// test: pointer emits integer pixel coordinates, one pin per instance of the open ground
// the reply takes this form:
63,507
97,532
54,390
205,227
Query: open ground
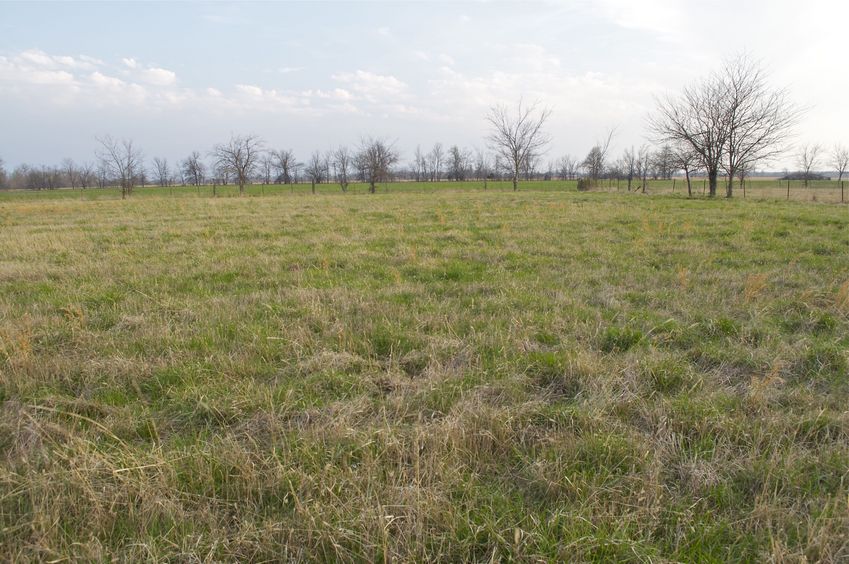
423,374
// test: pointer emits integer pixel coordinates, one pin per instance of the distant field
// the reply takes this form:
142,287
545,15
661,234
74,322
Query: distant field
423,374
828,191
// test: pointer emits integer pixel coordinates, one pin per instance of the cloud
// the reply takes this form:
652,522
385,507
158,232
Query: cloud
32,68
107,82
159,77
372,86
36,58
663,18
130,63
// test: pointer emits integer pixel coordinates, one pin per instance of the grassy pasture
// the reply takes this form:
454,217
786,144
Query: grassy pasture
826,191
454,375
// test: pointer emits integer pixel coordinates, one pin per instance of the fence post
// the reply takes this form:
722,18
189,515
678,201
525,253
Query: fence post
788,188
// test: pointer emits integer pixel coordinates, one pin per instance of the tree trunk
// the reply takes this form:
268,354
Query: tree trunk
712,174
689,188
371,188
313,186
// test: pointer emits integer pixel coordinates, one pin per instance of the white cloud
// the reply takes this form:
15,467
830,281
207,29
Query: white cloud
664,18
371,85
249,89
159,77
38,58
130,63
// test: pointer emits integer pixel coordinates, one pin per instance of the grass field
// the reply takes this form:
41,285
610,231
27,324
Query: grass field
825,191
422,375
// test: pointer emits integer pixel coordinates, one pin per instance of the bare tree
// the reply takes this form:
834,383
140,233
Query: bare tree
595,160
808,159
644,161
193,169
71,174
315,169
86,174
518,136
286,164
102,173
327,165
567,167
160,169
266,165
630,166
758,118
375,159
458,163
341,166
664,162
840,161
482,167
239,157
731,119
688,160
435,157
123,160
419,165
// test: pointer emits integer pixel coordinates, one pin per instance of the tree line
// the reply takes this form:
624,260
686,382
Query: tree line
721,127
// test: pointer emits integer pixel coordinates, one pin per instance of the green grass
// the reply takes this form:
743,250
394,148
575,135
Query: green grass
423,374
759,188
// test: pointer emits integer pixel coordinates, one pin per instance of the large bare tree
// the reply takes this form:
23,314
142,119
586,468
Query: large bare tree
375,159
239,156
121,159
758,118
731,119
517,136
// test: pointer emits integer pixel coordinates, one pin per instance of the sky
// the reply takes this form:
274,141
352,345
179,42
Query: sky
179,77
